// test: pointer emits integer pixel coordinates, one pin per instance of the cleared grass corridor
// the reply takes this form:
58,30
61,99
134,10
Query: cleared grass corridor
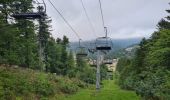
110,91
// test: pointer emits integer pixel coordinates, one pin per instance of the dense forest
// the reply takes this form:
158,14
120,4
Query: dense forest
148,73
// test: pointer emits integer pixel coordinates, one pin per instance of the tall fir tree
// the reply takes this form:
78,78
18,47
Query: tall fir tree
165,23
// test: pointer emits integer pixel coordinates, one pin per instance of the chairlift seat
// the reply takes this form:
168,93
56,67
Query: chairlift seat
28,15
109,71
109,61
103,48
81,52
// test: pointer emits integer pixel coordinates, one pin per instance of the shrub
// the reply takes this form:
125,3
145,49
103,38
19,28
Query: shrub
31,85
79,83
42,86
68,86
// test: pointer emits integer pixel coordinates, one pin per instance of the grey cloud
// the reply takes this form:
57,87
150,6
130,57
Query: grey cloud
124,18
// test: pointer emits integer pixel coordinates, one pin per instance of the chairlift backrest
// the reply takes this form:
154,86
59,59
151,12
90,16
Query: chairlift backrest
108,61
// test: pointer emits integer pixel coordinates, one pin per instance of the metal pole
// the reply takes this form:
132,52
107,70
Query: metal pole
105,31
79,42
98,71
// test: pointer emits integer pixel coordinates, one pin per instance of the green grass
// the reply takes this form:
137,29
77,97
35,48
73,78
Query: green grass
110,91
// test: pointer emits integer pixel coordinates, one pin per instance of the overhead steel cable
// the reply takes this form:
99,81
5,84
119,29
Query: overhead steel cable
64,19
101,11
88,18
37,1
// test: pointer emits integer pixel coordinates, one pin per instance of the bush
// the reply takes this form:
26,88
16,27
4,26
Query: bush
42,86
67,86
28,84
79,83
88,76
1,91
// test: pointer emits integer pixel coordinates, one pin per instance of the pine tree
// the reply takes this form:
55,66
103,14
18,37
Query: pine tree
27,37
71,67
54,53
165,23
64,56
8,44
9,35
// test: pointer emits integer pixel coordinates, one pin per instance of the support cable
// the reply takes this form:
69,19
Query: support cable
88,18
37,1
64,19
101,11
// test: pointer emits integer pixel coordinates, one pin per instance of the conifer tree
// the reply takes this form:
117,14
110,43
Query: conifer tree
165,23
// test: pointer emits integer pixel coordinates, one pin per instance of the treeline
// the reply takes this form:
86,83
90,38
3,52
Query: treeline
19,44
148,73
19,40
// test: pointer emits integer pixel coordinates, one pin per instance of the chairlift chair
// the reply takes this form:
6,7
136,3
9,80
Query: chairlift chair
103,43
81,52
108,61
30,15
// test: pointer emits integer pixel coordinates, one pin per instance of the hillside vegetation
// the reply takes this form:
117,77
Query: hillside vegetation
36,66
29,44
148,73
27,84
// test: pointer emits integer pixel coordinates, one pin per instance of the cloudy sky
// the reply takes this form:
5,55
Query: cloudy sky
124,18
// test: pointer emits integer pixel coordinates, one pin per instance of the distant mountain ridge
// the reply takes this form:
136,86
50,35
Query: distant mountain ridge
118,44
123,43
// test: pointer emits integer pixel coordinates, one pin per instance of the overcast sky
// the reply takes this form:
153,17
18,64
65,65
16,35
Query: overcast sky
124,18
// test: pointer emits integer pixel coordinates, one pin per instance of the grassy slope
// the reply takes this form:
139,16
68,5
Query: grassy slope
24,84
110,91
27,84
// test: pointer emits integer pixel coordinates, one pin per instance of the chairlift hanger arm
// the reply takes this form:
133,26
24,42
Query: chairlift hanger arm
79,42
43,2
105,28
45,6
